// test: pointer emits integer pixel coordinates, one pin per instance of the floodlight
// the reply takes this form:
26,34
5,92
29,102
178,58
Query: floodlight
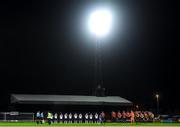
157,96
100,22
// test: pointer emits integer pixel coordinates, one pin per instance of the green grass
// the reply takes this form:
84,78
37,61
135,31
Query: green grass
31,124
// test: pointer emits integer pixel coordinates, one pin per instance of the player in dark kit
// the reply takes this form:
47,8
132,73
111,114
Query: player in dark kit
124,116
132,116
119,116
142,116
113,115
102,118
42,117
137,116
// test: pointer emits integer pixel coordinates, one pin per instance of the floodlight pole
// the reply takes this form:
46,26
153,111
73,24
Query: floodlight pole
157,100
99,90
98,63
99,24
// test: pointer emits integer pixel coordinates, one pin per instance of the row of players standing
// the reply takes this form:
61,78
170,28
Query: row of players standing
80,118
71,117
138,116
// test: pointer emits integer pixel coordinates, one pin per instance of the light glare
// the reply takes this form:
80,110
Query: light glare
100,22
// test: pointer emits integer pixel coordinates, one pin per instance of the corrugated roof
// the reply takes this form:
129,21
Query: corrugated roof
68,99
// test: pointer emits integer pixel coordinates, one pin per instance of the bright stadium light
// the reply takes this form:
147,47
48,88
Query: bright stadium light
157,99
100,22
157,96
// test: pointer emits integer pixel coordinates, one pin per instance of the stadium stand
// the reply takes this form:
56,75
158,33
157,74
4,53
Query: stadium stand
68,99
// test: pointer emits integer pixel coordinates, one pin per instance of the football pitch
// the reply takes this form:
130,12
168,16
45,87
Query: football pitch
10,124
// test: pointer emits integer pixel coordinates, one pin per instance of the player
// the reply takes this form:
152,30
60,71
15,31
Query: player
90,118
42,117
75,117
124,116
113,116
146,118
137,116
49,118
86,117
61,118
96,116
132,116
128,116
151,116
80,118
102,118
38,117
119,116
65,118
142,116
55,118
70,118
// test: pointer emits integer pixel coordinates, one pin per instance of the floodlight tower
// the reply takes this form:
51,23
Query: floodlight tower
157,102
99,24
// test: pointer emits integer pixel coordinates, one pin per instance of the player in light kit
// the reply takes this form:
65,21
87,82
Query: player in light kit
86,118
61,118
49,118
96,116
65,117
151,116
80,118
38,117
75,117
55,117
146,117
70,118
90,118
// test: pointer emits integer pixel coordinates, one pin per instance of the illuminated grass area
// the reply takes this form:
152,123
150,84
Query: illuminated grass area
89,124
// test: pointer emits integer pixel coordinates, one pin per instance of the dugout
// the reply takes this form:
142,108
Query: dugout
68,103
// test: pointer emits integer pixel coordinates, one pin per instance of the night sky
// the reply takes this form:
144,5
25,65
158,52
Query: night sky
46,48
